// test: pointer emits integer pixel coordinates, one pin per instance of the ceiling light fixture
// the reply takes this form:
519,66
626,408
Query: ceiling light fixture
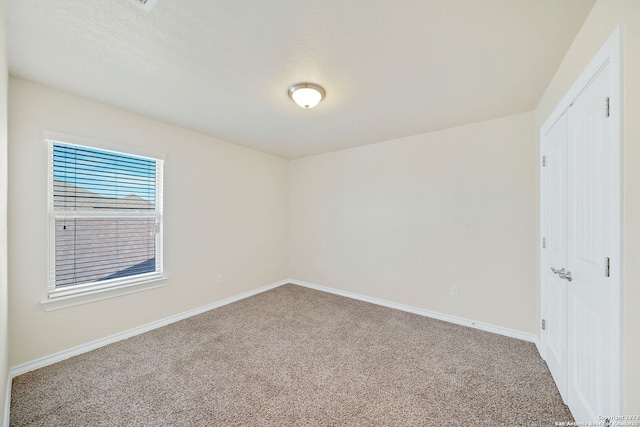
306,95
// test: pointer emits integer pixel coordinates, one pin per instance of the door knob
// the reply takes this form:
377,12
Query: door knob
564,274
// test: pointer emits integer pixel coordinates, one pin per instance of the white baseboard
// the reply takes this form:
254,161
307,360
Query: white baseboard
66,354
539,347
7,402
533,338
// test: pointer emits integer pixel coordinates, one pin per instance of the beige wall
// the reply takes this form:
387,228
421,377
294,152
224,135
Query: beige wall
225,212
4,346
401,220
406,219
604,17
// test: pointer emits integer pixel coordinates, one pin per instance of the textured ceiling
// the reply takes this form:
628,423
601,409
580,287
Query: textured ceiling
391,68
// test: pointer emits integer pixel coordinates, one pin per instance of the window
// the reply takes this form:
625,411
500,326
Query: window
105,213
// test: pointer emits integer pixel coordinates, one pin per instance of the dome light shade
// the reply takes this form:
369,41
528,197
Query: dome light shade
306,95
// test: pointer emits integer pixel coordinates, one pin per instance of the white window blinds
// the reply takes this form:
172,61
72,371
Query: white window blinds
105,219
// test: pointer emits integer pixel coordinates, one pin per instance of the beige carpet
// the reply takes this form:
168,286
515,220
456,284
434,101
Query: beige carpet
297,357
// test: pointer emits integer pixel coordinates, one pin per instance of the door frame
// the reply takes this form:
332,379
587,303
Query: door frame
610,53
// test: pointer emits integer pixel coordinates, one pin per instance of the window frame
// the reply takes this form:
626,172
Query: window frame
78,294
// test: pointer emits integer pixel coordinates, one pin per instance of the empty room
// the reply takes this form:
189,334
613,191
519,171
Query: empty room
319,212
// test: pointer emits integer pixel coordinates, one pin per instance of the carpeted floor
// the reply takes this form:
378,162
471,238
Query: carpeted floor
293,356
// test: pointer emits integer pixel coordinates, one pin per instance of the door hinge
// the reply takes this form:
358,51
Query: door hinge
544,243
544,324
544,161
606,107
607,267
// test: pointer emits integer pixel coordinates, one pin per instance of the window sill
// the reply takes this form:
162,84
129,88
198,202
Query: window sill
52,304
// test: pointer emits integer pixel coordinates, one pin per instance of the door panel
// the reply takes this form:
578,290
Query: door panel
585,372
584,355
554,189
590,307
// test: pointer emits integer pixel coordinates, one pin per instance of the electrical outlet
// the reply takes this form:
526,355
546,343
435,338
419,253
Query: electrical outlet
454,291
320,267
219,279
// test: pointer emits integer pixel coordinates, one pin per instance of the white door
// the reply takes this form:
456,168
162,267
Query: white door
554,182
580,205
591,308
